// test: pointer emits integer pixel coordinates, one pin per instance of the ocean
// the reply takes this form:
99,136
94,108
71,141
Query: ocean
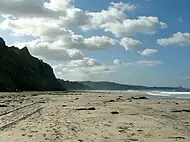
177,95
152,94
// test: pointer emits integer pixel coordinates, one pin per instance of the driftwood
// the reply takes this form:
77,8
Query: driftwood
114,112
3,105
178,138
183,110
91,108
139,98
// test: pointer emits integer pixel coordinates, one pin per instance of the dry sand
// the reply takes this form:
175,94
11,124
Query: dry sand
91,117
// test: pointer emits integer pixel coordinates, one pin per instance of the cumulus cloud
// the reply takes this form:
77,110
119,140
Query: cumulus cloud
115,12
73,18
83,69
149,62
85,62
59,37
129,43
129,27
25,8
81,43
45,50
148,52
180,39
116,62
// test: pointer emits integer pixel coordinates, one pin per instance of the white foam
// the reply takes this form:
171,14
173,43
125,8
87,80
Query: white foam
158,94
177,93
184,95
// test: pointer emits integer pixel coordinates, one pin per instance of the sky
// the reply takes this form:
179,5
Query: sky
139,42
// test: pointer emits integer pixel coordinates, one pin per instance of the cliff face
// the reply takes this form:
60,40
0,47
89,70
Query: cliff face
21,71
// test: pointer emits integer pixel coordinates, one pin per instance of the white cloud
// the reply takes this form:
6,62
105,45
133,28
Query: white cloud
116,62
128,27
85,62
58,37
74,17
149,63
64,14
45,50
122,6
81,43
96,42
129,43
31,27
92,62
114,13
83,69
25,8
58,5
180,20
148,52
180,39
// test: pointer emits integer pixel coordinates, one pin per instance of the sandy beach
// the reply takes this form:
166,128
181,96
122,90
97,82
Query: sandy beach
92,117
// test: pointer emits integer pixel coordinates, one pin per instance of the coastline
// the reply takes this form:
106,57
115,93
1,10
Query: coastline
98,117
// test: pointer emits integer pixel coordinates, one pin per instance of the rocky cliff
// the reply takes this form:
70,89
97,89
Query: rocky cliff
19,70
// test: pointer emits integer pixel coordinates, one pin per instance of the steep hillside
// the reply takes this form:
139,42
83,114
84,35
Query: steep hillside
19,70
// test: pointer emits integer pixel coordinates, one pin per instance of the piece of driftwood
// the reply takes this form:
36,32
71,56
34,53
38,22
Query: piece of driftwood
114,112
183,110
91,108
139,98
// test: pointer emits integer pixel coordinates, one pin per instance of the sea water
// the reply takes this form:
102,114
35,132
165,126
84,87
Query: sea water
151,94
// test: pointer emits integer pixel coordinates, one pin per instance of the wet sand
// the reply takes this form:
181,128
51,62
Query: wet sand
92,117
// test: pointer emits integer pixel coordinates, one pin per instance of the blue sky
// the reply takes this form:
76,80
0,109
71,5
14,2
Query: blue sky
167,66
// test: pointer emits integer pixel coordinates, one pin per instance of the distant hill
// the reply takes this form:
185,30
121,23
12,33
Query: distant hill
69,85
116,86
19,70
